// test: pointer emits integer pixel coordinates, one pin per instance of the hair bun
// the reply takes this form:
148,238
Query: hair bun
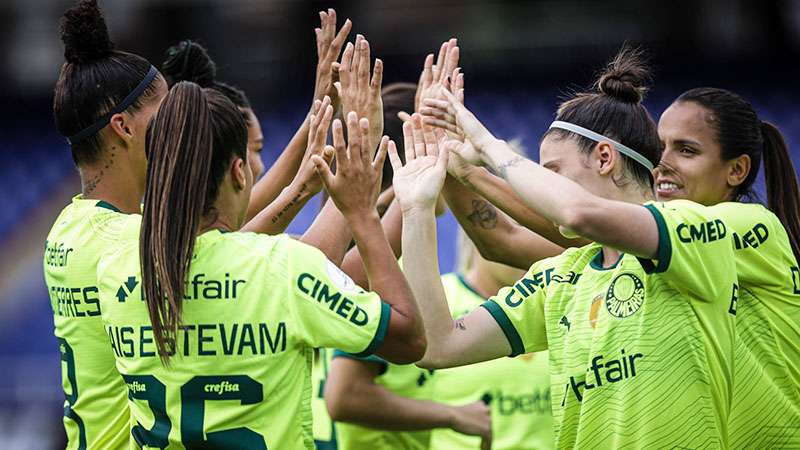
189,61
84,33
627,77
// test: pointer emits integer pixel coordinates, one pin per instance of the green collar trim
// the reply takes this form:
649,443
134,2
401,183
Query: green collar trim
597,262
469,287
106,205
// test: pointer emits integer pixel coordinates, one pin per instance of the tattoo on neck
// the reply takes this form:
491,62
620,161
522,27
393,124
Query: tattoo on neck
90,185
502,169
459,324
483,214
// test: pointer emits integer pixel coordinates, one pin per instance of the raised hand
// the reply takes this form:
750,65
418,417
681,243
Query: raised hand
434,78
355,187
329,45
360,93
418,183
451,114
319,122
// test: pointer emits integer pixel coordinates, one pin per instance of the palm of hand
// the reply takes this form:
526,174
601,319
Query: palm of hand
419,182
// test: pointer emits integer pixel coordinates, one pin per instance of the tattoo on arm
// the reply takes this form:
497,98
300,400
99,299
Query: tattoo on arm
290,205
502,169
459,324
483,214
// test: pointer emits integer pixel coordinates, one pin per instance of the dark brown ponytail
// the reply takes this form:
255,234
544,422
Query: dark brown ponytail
783,195
191,141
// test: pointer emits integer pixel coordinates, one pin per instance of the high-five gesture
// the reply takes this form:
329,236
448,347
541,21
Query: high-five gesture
360,93
329,45
418,183
319,122
354,188
434,78
451,114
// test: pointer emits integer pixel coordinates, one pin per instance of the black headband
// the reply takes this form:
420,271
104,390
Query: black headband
122,106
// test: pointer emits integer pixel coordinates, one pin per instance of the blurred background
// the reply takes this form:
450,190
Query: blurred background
520,59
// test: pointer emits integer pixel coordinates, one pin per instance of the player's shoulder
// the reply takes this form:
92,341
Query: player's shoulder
255,244
746,215
119,257
682,207
574,258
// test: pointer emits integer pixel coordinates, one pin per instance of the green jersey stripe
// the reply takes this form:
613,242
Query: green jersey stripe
664,253
508,328
380,334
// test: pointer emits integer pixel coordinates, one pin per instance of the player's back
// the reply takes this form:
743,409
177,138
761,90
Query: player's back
240,376
95,410
766,398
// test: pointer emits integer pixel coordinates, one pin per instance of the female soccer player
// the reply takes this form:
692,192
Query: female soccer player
638,318
714,143
380,405
235,316
520,411
103,101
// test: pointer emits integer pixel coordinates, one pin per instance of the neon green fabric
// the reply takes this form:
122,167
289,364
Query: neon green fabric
518,389
254,309
766,397
324,428
641,353
405,380
95,411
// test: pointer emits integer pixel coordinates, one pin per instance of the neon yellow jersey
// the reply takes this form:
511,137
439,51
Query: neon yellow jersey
324,428
254,309
766,397
95,411
405,380
641,353
517,389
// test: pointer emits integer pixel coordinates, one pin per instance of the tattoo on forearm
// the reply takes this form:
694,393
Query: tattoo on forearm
502,169
290,205
483,214
459,324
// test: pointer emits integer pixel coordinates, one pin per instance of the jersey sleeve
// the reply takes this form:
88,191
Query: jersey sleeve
519,309
330,310
764,256
695,250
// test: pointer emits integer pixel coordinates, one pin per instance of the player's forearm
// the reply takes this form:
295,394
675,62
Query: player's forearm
374,406
329,232
392,224
498,191
625,226
490,230
421,266
383,272
281,173
279,214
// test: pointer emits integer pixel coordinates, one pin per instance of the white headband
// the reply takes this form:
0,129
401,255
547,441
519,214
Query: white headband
624,149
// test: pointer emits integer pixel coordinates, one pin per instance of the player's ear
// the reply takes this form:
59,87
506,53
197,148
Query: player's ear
240,173
605,157
120,125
